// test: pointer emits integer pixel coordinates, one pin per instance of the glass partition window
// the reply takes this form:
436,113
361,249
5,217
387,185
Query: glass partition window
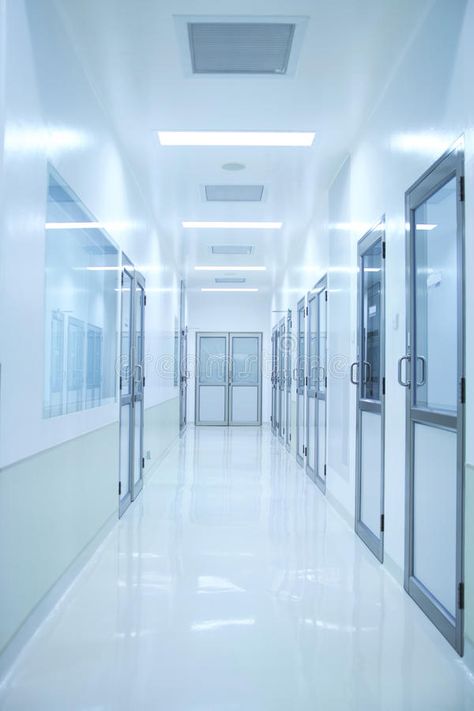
81,292
370,341
313,344
436,300
301,353
245,360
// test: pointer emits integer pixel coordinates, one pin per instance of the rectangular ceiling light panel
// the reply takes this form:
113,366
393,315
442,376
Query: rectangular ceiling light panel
224,288
231,249
230,280
266,139
233,193
231,268
240,225
240,47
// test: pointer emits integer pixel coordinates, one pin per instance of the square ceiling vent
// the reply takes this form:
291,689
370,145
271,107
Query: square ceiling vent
240,47
230,280
233,193
231,249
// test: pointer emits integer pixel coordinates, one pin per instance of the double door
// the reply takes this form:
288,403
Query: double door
228,379
317,384
432,371
368,375
275,386
299,372
132,383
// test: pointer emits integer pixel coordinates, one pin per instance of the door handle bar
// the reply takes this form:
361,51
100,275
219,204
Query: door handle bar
404,383
352,376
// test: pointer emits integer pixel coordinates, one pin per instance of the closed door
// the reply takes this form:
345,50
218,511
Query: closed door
245,379
183,378
300,382
274,380
321,384
312,378
288,379
132,382
228,380
368,374
433,373
282,380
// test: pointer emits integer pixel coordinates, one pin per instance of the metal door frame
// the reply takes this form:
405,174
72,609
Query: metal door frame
183,373
227,384
132,398
300,381
311,393
374,543
450,165
321,395
289,347
273,421
245,334
281,379
138,393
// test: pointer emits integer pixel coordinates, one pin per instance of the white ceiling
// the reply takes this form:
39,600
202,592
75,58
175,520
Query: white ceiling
133,55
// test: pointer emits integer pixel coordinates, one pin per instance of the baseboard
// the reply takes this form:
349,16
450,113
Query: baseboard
150,472
468,657
394,569
340,509
46,605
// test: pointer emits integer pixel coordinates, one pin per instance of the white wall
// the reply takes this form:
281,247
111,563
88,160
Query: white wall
52,115
207,311
427,104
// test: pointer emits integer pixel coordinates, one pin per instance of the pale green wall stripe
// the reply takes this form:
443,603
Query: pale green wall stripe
51,506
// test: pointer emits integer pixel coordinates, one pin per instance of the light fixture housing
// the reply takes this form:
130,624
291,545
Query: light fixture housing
227,289
232,268
266,139
230,225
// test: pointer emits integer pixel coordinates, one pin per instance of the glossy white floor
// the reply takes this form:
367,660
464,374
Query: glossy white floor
232,584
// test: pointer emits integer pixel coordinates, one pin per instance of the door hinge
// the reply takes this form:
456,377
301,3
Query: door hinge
120,383
120,488
306,311
122,279
325,381
306,380
383,386
325,296
289,436
143,381
143,462
325,469
384,250
461,188
462,391
461,596
305,449
382,523
144,299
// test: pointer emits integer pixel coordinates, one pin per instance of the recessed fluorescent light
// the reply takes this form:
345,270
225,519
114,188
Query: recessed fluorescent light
75,226
203,225
426,228
215,288
229,269
237,138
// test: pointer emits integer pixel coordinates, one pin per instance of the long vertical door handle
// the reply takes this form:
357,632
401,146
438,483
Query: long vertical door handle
404,383
354,365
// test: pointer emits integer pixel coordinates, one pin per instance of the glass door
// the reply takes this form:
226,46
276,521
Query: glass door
368,374
432,371
274,381
183,373
277,383
311,389
138,384
288,359
321,382
212,378
131,385
281,380
126,386
300,383
245,379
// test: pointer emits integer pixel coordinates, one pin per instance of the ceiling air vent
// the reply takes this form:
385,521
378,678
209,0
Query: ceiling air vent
240,47
234,193
231,249
230,280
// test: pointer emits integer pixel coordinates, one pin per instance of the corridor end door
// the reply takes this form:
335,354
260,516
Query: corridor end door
281,354
433,373
368,374
300,382
316,384
288,379
273,418
228,379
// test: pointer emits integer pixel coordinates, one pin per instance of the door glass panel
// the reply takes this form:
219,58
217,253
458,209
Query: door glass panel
245,358
300,422
322,342
371,464
301,353
125,449
321,437
313,368
436,301
212,403
126,334
212,359
138,443
371,319
434,514
312,405
139,305
244,404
